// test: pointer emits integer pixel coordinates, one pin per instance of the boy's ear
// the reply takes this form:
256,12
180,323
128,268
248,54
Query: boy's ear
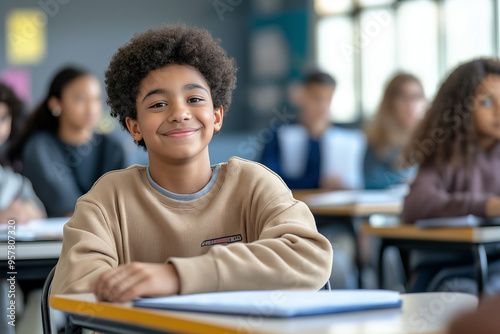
218,117
133,128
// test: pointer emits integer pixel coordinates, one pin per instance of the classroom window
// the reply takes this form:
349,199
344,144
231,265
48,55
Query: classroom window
469,30
327,7
374,2
418,42
427,38
339,61
378,55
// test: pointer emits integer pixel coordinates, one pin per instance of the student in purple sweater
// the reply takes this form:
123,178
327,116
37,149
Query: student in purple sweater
457,149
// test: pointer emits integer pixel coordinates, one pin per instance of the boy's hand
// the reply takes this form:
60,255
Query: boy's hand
137,279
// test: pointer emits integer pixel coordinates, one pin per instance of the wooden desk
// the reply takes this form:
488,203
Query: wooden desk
410,237
352,210
421,313
31,250
455,234
35,247
350,215
33,259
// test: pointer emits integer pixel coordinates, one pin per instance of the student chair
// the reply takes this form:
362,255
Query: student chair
47,329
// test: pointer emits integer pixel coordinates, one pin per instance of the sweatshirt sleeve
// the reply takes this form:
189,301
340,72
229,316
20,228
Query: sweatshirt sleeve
289,254
88,250
429,198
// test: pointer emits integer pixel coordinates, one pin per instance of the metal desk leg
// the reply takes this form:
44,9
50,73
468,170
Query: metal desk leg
383,246
481,263
355,226
70,328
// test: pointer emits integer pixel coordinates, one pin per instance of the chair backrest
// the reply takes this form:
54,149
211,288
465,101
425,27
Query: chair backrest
45,302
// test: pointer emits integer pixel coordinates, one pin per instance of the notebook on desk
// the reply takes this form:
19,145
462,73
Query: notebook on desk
365,197
463,221
277,304
36,229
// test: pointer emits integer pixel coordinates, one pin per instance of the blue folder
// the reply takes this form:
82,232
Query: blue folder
277,304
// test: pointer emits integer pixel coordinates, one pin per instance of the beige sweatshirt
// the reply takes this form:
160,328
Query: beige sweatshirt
246,233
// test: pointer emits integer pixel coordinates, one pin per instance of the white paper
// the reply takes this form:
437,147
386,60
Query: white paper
36,229
344,197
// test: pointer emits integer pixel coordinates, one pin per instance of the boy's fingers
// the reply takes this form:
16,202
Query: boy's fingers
138,289
115,281
129,281
155,279
130,287
101,286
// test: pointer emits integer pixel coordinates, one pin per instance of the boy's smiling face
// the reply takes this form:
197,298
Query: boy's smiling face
175,114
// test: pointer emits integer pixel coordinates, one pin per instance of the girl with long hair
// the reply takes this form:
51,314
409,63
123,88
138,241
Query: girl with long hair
457,149
401,108
61,153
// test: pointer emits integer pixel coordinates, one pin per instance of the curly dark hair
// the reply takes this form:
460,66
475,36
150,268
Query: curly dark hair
159,47
447,134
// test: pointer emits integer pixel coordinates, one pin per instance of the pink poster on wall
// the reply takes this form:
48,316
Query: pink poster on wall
20,81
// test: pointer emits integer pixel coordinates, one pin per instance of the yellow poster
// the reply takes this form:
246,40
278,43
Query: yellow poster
25,36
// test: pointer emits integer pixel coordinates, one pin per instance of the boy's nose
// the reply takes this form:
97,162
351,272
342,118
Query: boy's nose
179,113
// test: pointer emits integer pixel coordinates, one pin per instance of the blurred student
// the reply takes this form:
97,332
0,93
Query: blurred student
314,153
457,146
402,106
18,201
61,153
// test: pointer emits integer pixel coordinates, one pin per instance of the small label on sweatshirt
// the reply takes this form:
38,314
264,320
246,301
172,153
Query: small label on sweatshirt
223,240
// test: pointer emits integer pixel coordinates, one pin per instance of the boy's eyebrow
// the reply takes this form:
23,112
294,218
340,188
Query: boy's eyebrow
194,86
153,92
163,91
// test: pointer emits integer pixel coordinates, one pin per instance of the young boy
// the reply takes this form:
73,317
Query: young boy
181,226
312,153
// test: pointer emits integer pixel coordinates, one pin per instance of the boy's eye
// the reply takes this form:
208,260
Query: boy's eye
159,105
485,102
194,100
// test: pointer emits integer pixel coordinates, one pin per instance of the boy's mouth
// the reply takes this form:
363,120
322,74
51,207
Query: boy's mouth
180,132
